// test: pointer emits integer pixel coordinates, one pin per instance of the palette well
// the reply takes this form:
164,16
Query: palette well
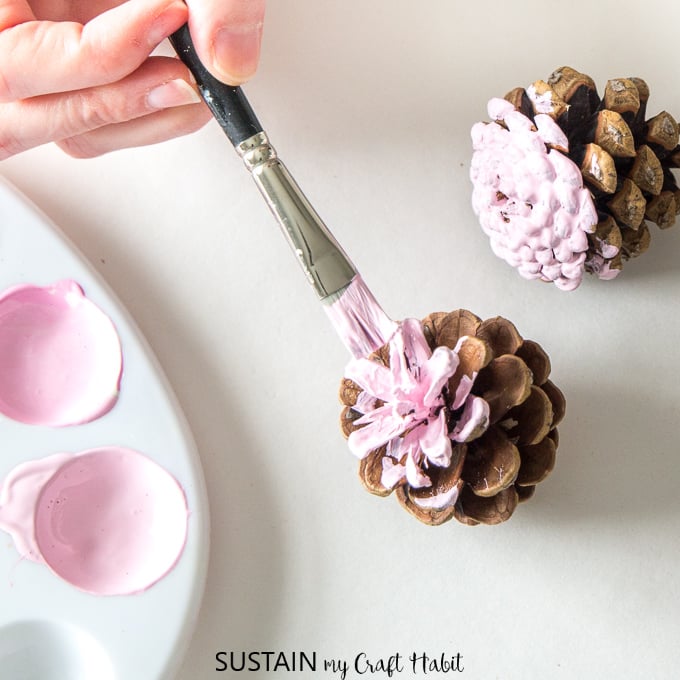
60,357
133,436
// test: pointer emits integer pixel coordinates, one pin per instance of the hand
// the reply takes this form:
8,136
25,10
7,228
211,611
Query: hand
80,73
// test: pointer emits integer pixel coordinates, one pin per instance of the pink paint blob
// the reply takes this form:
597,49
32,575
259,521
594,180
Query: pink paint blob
60,356
109,521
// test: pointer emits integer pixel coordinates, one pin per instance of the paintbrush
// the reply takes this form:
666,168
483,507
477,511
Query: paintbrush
410,418
353,310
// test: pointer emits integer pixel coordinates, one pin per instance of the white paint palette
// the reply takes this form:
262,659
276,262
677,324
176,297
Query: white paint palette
50,630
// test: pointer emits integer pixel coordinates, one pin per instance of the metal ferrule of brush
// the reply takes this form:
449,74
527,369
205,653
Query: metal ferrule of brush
325,264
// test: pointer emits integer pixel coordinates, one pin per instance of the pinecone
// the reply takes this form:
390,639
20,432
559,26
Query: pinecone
624,159
492,467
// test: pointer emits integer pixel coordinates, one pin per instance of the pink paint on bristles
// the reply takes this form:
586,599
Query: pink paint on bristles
359,320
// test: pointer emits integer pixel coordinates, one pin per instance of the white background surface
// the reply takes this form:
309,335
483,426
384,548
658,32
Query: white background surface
370,105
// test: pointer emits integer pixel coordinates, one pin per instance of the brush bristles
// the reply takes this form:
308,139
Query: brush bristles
359,320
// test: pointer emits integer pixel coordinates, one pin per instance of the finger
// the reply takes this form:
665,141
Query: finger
80,11
48,57
13,12
151,129
227,35
159,83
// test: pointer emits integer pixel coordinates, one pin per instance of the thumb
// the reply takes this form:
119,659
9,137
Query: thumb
227,35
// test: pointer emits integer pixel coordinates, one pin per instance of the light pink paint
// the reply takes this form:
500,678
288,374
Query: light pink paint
109,521
60,356
530,196
359,320
403,408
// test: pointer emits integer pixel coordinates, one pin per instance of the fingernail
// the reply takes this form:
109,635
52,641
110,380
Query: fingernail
173,93
236,51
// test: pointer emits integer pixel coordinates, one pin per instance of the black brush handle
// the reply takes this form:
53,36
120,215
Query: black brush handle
227,103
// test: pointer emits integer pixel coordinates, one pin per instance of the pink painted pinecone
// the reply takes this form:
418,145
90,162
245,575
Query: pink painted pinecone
492,470
530,197
564,181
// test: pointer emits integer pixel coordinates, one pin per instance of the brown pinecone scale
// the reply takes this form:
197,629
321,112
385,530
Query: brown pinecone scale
499,467
626,158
